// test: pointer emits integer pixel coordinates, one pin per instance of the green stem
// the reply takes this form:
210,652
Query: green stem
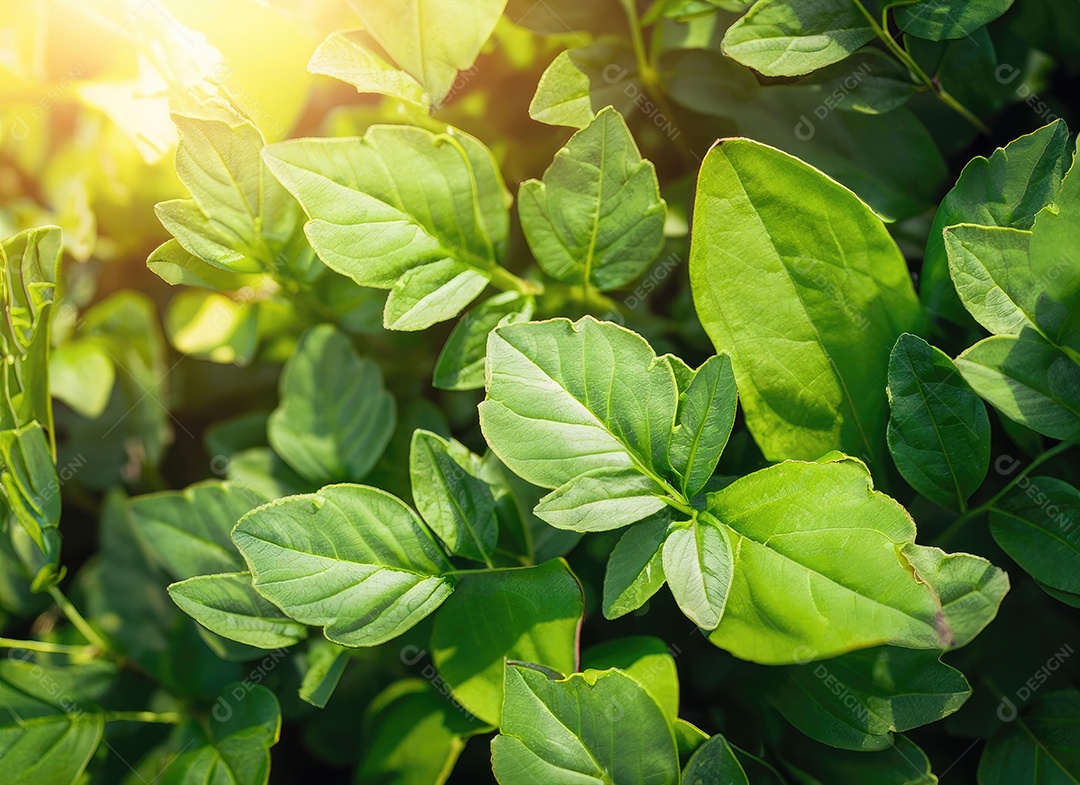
974,512
76,618
45,647
650,78
501,278
882,32
166,718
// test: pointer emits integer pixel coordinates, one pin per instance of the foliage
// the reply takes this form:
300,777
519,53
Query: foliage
369,407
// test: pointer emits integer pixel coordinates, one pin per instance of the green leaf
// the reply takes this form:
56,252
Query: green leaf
238,218
1006,190
335,417
901,764
792,600
706,415
1028,380
351,558
175,265
188,531
412,734
566,398
31,487
1036,524
212,326
582,81
600,500
939,21
939,432
870,81
234,746
429,39
29,269
424,215
1040,747
991,269
714,763
82,375
648,661
450,496
698,565
857,701
228,606
460,365
587,729
324,663
777,242
44,735
596,218
532,614
1055,262
635,570
968,588
352,56
785,38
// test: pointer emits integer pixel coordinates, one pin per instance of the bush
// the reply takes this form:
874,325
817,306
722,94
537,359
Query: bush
386,480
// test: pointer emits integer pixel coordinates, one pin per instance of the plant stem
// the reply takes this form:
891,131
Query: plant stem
650,78
45,647
501,278
882,32
76,618
974,512
167,718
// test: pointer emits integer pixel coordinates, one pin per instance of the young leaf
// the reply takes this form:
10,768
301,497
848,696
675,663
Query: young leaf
991,269
790,520
450,496
413,734
592,727
1040,746
777,242
532,613
582,81
29,267
788,38
429,39
324,662
706,415
188,531
238,217
939,432
600,500
424,215
234,746
698,565
714,763
353,57
1027,379
566,398
228,606
635,570
31,487
1006,190
596,218
351,558
939,21
857,701
43,736
1036,524
460,365
335,417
